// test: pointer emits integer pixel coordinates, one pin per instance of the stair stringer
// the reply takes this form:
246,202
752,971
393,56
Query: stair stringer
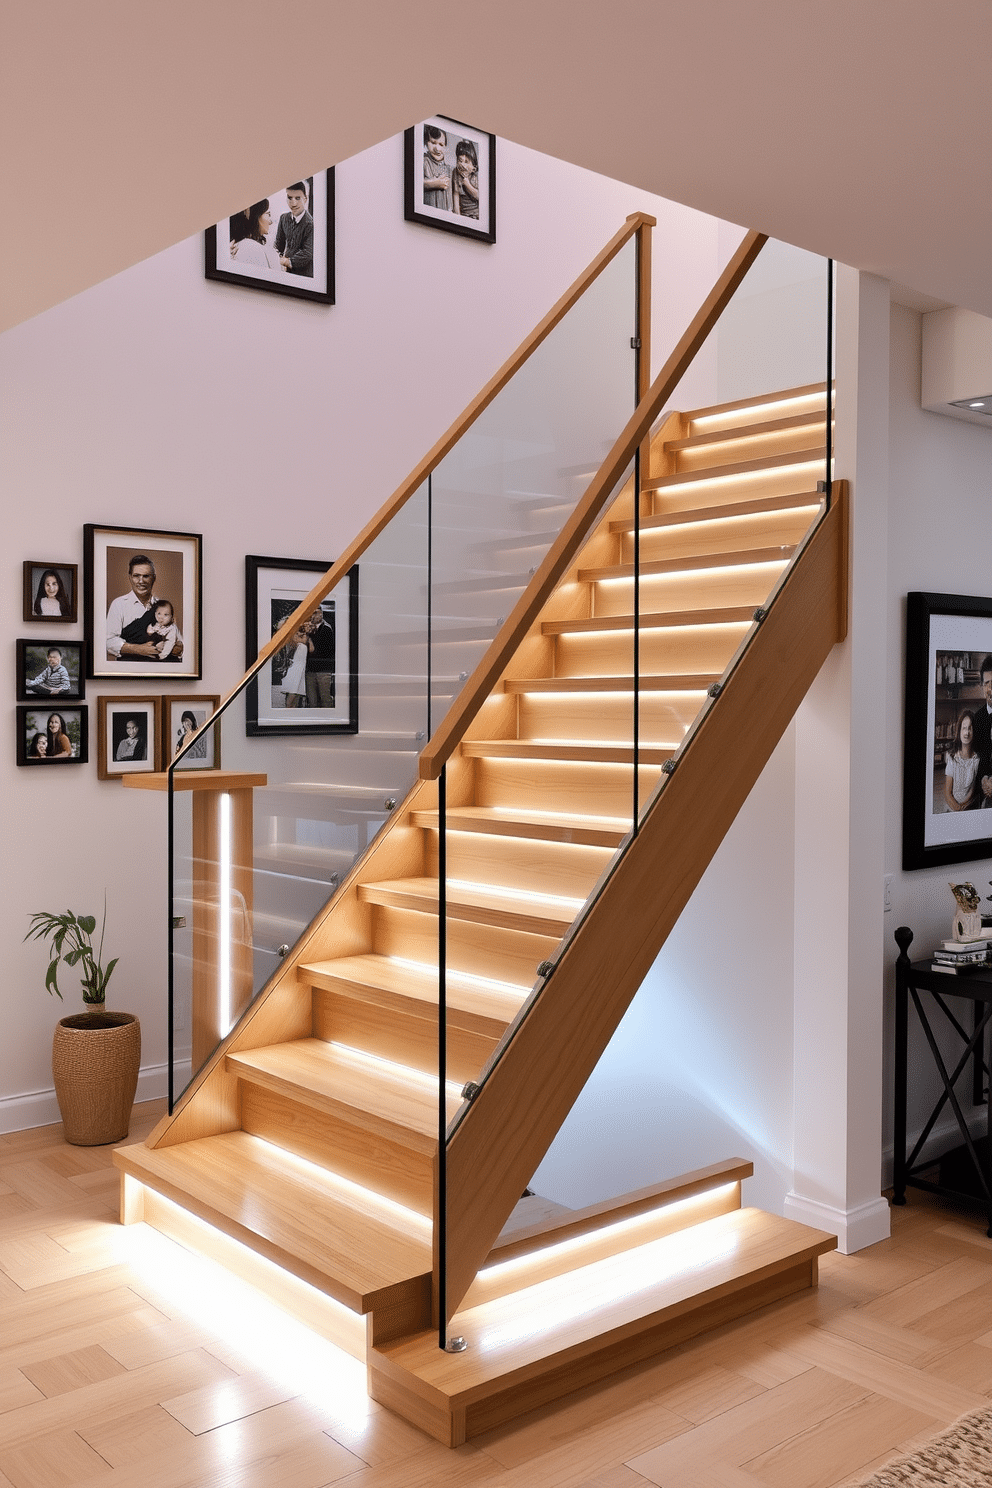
509,1126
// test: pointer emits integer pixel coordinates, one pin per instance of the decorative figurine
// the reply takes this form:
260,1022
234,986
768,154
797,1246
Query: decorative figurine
968,915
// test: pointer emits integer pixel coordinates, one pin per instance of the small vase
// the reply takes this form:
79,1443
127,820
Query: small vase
95,1060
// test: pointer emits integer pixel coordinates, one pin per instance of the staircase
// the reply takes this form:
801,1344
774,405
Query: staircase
311,1137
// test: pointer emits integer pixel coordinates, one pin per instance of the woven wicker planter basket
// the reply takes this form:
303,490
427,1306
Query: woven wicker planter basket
95,1059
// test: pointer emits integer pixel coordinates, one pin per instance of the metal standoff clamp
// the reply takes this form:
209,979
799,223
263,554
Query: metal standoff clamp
759,615
668,767
456,1345
715,690
283,950
390,803
470,1090
545,968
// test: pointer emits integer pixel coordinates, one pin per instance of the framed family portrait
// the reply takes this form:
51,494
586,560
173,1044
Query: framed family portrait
947,778
181,717
50,592
144,602
310,685
50,670
49,735
450,178
283,243
128,731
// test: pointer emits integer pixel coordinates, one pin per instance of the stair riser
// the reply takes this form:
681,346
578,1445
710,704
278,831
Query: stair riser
541,867
706,589
762,530
662,717
486,1013
481,950
362,1157
404,1039
552,785
730,451
702,648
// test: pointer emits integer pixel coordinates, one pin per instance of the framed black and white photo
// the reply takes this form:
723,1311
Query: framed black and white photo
51,592
128,731
310,684
947,779
182,716
52,671
52,735
449,178
283,243
144,602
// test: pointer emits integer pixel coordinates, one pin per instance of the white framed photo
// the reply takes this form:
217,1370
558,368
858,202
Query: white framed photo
282,243
143,602
127,736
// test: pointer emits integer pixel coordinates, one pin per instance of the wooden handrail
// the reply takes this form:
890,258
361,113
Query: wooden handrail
565,548
635,223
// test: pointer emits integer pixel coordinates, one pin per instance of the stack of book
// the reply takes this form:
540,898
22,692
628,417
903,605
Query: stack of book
962,955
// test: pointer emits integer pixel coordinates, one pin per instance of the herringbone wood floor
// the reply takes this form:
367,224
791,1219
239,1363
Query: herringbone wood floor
115,1372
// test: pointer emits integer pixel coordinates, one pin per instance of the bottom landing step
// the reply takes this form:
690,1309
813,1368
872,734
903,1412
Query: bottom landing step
547,1340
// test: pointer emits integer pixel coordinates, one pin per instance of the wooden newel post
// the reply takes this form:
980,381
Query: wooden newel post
904,939
222,935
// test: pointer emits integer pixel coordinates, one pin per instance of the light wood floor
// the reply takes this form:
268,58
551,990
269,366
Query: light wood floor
120,1368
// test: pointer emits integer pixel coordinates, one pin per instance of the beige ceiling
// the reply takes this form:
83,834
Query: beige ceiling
857,128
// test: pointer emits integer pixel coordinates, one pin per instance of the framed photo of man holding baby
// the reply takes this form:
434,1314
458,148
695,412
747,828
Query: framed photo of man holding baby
282,243
144,603
450,178
947,776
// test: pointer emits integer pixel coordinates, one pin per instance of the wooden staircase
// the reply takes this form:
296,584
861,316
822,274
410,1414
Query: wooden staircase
311,1136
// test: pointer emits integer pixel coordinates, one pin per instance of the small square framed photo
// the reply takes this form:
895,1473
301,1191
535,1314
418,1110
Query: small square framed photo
52,671
52,736
310,686
450,178
143,602
181,717
283,243
128,736
51,592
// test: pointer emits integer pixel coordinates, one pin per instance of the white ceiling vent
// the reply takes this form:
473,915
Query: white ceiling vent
957,365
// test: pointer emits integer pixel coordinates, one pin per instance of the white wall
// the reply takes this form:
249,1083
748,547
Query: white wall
271,426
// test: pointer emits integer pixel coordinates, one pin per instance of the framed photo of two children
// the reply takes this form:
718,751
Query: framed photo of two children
450,178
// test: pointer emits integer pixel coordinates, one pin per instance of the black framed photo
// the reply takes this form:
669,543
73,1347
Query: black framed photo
181,717
283,243
947,778
144,602
128,730
52,736
449,178
51,592
310,685
53,671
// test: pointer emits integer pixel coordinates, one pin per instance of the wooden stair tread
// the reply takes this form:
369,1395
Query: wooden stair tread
334,1235
809,390
674,682
804,456
393,984
738,559
590,831
661,619
730,433
605,754
367,1092
538,913
723,511
509,1341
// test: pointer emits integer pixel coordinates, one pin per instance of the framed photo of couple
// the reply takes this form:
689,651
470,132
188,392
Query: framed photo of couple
283,243
449,178
310,683
143,602
947,778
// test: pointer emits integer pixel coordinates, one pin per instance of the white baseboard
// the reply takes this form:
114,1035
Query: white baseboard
855,1228
40,1108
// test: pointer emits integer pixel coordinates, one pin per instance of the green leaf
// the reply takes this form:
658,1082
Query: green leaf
51,984
109,970
87,923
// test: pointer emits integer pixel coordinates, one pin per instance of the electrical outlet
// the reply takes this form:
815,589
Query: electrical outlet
887,893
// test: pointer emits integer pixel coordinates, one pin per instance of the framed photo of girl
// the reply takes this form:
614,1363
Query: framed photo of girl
50,670
181,717
449,178
144,602
128,731
52,736
310,685
50,592
283,243
947,778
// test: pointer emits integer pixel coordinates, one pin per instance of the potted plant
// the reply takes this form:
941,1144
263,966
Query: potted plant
95,1054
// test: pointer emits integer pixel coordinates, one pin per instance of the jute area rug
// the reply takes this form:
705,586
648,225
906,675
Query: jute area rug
960,1457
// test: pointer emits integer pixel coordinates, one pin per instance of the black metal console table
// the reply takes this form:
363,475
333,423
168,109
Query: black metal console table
972,1179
